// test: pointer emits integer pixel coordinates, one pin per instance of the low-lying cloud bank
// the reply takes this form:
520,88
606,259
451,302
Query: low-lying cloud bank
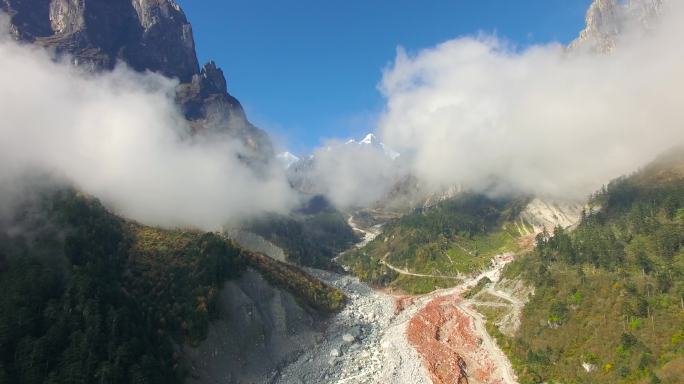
120,137
353,175
543,120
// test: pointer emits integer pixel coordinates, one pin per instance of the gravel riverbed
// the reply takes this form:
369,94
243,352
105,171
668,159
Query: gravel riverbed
367,341
364,343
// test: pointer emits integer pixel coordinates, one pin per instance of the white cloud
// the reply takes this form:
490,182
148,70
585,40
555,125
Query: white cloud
120,137
353,174
543,120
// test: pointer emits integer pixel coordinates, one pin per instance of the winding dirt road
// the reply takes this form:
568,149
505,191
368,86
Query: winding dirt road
405,272
370,234
452,338
447,332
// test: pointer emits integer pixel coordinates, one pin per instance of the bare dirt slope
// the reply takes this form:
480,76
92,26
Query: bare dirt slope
451,337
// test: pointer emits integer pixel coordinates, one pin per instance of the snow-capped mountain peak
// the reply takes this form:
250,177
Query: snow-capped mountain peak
370,139
287,159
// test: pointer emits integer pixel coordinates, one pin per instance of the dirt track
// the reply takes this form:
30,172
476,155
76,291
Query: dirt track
380,338
451,336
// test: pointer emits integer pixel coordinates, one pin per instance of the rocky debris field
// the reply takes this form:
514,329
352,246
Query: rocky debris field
364,343
379,338
433,331
382,338
452,339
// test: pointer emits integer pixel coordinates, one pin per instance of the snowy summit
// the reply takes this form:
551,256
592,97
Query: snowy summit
373,141
287,159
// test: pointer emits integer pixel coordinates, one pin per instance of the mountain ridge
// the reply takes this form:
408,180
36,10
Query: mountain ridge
606,21
146,35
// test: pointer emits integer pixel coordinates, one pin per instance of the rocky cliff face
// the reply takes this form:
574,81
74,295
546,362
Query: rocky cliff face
607,20
148,35
548,214
260,330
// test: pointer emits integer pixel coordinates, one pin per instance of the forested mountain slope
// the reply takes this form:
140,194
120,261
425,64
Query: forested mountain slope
609,301
90,297
436,246
310,236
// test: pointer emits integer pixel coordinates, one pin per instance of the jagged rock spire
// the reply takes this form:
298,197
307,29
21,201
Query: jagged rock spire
148,35
606,21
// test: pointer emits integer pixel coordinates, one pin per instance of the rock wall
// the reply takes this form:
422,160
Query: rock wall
29,19
543,213
148,35
606,21
260,330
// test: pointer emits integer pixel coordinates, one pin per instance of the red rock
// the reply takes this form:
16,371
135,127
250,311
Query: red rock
446,340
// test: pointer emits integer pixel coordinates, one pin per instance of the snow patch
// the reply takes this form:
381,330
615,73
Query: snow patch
287,159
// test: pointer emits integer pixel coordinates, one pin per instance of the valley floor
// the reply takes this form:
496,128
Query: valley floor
365,343
383,338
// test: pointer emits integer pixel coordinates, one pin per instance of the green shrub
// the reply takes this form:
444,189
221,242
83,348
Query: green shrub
611,289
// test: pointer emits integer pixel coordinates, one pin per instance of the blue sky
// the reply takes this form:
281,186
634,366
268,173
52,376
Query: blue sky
307,70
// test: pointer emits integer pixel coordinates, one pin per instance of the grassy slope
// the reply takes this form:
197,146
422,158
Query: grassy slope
610,293
455,237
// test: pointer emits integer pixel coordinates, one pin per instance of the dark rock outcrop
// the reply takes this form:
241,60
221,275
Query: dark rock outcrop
148,35
261,328
30,19
207,104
